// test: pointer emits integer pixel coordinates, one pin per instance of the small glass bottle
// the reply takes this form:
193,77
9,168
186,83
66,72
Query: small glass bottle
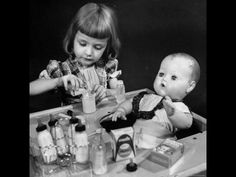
58,135
81,143
71,134
120,91
98,155
46,145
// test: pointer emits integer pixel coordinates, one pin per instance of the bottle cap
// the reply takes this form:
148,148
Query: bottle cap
52,121
80,128
40,126
131,166
70,113
74,120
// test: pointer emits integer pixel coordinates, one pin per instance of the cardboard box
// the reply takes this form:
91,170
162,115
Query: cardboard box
123,143
167,153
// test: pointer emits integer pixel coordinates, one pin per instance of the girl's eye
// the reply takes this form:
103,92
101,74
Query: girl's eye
161,74
173,77
82,43
98,47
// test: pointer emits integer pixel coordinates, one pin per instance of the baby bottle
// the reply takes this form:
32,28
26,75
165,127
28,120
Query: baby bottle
58,135
71,134
98,155
81,144
46,144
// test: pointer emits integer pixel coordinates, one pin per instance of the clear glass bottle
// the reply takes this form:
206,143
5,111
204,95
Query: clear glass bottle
71,134
120,91
58,135
81,143
98,154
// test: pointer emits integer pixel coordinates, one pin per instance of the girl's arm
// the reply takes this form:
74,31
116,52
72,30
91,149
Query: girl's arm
43,85
69,81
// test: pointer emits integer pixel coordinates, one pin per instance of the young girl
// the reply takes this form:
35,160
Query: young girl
92,44
160,115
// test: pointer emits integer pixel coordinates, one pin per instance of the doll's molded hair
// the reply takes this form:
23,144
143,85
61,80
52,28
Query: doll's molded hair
194,64
98,21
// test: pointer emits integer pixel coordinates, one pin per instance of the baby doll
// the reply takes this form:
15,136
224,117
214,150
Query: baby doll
160,115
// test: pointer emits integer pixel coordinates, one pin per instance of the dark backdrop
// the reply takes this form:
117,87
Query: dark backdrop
149,31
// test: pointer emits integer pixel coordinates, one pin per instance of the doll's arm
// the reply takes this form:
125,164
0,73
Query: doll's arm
178,118
123,109
181,120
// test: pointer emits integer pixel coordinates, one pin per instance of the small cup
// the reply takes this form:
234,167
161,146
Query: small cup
88,102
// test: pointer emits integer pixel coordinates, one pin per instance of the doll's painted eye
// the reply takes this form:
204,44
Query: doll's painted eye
173,77
161,74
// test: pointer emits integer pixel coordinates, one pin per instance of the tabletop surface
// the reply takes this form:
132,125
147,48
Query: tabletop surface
192,161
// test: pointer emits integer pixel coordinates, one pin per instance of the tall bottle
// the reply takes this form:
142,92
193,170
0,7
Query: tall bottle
98,155
58,135
46,144
81,143
71,134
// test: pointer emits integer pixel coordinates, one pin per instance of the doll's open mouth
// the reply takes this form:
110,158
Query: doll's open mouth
162,85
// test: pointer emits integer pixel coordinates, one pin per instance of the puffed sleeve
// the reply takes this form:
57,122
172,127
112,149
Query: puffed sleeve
56,69
111,66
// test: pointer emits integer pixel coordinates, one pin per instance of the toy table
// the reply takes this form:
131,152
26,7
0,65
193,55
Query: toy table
193,160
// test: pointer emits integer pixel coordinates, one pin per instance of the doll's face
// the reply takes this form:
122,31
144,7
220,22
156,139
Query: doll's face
88,50
174,78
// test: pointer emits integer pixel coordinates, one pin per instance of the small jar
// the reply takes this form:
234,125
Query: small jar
113,83
88,102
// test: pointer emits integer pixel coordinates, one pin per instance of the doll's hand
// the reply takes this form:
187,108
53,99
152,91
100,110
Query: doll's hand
168,106
71,82
120,113
100,92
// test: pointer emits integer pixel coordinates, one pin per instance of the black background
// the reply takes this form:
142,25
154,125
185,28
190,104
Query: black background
149,31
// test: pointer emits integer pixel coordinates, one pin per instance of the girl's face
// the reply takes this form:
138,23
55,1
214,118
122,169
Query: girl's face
173,78
88,50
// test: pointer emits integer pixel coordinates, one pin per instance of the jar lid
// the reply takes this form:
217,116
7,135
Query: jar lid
74,120
52,121
131,166
70,113
80,128
40,126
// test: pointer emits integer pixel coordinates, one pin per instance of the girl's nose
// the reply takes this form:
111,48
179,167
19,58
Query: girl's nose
88,51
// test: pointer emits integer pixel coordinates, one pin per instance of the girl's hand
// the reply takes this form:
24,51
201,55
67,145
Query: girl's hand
100,92
44,75
120,113
71,82
168,106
